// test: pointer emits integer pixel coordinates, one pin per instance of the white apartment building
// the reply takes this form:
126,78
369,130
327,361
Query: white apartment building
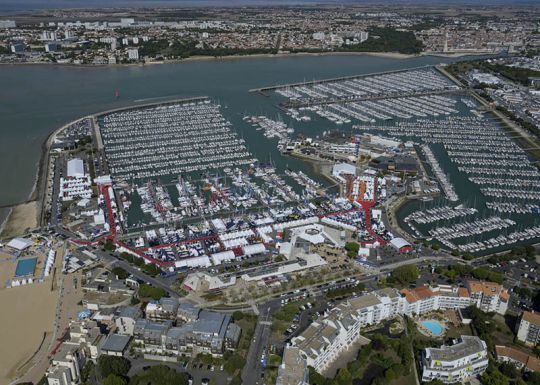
529,328
425,299
133,54
465,359
65,366
48,36
293,370
324,340
488,296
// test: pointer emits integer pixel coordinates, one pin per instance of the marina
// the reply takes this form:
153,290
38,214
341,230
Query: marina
439,214
272,129
397,83
434,112
170,139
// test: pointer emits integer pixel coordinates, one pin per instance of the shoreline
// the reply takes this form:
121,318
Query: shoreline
388,55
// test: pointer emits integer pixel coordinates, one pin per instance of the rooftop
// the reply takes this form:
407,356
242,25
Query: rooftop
116,343
530,362
292,370
467,345
486,288
532,317
312,340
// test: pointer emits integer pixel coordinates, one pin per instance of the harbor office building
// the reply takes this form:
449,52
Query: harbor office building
321,344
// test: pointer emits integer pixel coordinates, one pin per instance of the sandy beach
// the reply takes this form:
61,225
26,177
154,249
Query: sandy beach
390,55
22,217
32,309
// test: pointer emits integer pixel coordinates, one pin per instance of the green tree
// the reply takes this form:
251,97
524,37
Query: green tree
234,363
113,379
87,370
533,378
120,273
343,377
237,315
148,291
109,245
494,378
150,269
159,375
113,365
405,274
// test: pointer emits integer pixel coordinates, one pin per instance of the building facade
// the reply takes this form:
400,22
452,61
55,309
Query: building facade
325,339
456,363
529,328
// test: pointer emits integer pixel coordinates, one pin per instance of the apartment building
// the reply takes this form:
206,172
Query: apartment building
293,369
455,363
323,341
65,366
126,318
86,334
162,310
488,296
518,358
529,328
210,332
425,299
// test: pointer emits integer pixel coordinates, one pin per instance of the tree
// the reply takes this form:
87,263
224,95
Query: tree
150,269
533,378
120,273
234,363
148,291
508,369
315,378
343,377
109,245
87,370
390,374
494,378
405,274
237,315
352,249
113,379
113,365
159,375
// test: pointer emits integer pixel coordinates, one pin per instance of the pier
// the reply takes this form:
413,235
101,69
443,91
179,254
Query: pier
263,90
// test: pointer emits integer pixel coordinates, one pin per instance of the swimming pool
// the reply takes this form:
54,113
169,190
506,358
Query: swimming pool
25,267
435,327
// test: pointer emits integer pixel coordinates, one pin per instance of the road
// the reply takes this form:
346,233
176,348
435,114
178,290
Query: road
59,170
253,369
